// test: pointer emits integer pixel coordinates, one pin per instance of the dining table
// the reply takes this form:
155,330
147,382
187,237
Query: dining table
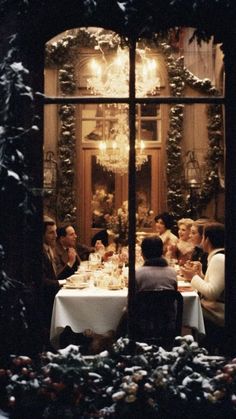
100,310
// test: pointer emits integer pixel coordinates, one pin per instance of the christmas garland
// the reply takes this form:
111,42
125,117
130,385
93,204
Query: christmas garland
177,202
66,207
64,50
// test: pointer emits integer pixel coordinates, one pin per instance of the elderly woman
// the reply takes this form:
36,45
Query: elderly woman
163,224
183,249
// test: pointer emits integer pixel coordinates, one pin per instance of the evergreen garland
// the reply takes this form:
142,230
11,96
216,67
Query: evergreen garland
178,203
66,207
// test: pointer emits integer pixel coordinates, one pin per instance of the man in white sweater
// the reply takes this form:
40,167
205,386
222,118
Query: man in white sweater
211,286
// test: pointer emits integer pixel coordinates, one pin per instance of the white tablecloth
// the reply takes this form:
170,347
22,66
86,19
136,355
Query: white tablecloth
100,310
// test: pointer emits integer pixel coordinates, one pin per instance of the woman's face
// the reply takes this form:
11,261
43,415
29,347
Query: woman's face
160,226
183,232
194,236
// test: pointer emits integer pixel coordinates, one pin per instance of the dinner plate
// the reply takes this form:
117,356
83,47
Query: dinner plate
81,286
114,287
78,286
184,284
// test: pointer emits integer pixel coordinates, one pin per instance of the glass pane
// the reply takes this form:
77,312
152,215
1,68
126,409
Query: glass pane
92,130
103,122
149,131
147,71
143,196
150,110
148,122
103,192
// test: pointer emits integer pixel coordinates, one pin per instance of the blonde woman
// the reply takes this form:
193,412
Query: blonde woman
183,249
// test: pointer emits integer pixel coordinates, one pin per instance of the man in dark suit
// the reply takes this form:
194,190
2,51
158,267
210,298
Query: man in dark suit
67,259
50,283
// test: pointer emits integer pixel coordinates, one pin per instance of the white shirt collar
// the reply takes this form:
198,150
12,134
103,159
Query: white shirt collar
213,252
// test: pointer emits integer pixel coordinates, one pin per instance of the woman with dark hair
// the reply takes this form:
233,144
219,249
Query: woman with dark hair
163,223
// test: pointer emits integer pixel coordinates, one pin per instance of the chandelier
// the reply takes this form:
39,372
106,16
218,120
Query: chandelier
113,152
111,79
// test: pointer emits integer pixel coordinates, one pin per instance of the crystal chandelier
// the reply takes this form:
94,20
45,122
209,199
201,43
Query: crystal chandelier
114,152
111,79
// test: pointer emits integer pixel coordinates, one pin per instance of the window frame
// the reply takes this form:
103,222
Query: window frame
132,101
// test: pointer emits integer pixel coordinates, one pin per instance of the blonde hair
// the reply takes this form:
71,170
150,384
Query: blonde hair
188,222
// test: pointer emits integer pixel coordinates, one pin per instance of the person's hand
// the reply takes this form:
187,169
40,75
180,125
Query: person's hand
187,273
71,256
190,269
171,247
107,255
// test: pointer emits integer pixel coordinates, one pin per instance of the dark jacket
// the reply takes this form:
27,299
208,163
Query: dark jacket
155,274
62,269
50,286
201,256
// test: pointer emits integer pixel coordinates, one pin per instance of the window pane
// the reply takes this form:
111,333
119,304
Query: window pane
143,196
148,122
103,191
149,131
150,110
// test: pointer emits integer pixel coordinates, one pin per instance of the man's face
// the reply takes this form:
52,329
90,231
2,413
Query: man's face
69,240
50,235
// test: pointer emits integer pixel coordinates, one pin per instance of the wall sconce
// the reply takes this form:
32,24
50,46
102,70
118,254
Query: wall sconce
49,171
192,170
193,181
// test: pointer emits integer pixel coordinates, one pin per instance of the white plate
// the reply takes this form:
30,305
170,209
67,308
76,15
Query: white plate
114,287
76,286
182,284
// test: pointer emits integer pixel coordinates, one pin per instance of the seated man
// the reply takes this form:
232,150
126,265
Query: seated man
211,286
155,274
67,259
50,284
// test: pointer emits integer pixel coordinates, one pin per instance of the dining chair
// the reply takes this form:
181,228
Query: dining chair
157,317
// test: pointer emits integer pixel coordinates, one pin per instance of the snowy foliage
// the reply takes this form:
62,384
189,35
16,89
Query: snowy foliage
133,380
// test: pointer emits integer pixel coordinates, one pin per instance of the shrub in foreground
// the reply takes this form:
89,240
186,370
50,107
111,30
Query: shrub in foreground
134,380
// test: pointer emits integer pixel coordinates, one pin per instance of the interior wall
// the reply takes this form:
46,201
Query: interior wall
195,135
